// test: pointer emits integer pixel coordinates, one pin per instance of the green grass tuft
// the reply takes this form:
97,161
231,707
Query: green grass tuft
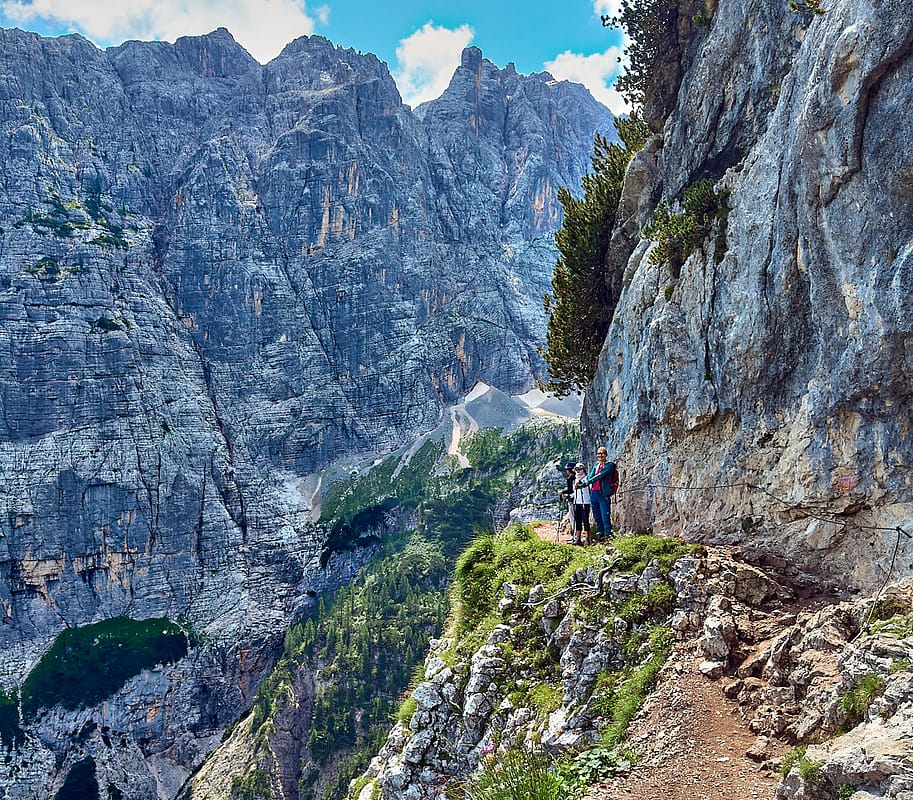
628,694
639,550
406,711
856,701
545,698
517,775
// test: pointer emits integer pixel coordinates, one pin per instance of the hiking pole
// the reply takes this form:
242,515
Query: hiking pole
560,518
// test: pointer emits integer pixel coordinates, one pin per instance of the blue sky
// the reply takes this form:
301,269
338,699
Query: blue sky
420,40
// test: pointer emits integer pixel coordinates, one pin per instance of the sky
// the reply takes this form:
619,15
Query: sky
420,40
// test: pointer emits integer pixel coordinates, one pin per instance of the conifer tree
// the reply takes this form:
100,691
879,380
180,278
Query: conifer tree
586,287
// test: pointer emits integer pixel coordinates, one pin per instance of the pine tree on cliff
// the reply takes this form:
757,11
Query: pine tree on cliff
586,287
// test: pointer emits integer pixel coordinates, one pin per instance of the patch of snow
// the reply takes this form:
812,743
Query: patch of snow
533,398
540,402
476,392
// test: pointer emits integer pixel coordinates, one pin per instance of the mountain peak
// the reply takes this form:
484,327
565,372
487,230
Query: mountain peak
471,58
215,54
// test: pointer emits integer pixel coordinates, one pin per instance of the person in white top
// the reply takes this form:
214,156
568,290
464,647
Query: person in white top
581,508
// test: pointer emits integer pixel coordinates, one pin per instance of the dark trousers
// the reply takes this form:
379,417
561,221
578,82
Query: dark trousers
581,518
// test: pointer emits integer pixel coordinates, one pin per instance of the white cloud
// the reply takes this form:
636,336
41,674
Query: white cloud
611,8
596,72
323,14
263,27
427,60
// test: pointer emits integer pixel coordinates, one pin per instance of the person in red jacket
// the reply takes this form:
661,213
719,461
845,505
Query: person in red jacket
602,481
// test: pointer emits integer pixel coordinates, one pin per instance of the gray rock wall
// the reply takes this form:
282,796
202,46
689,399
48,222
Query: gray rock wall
216,277
787,365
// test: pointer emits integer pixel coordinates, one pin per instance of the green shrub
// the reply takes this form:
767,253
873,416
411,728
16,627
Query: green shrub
87,664
810,772
109,325
805,7
110,240
679,233
856,701
791,759
61,228
47,268
596,764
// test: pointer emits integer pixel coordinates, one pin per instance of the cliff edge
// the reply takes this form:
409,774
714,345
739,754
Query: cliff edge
765,379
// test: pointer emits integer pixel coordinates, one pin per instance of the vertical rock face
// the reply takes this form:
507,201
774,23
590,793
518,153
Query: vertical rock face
783,368
217,276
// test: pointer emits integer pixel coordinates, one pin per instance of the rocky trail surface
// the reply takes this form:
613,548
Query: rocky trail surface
766,662
693,741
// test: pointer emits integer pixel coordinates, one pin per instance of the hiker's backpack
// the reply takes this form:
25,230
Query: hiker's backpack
613,478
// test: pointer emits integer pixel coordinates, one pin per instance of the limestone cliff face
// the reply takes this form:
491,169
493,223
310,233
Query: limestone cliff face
215,278
786,365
